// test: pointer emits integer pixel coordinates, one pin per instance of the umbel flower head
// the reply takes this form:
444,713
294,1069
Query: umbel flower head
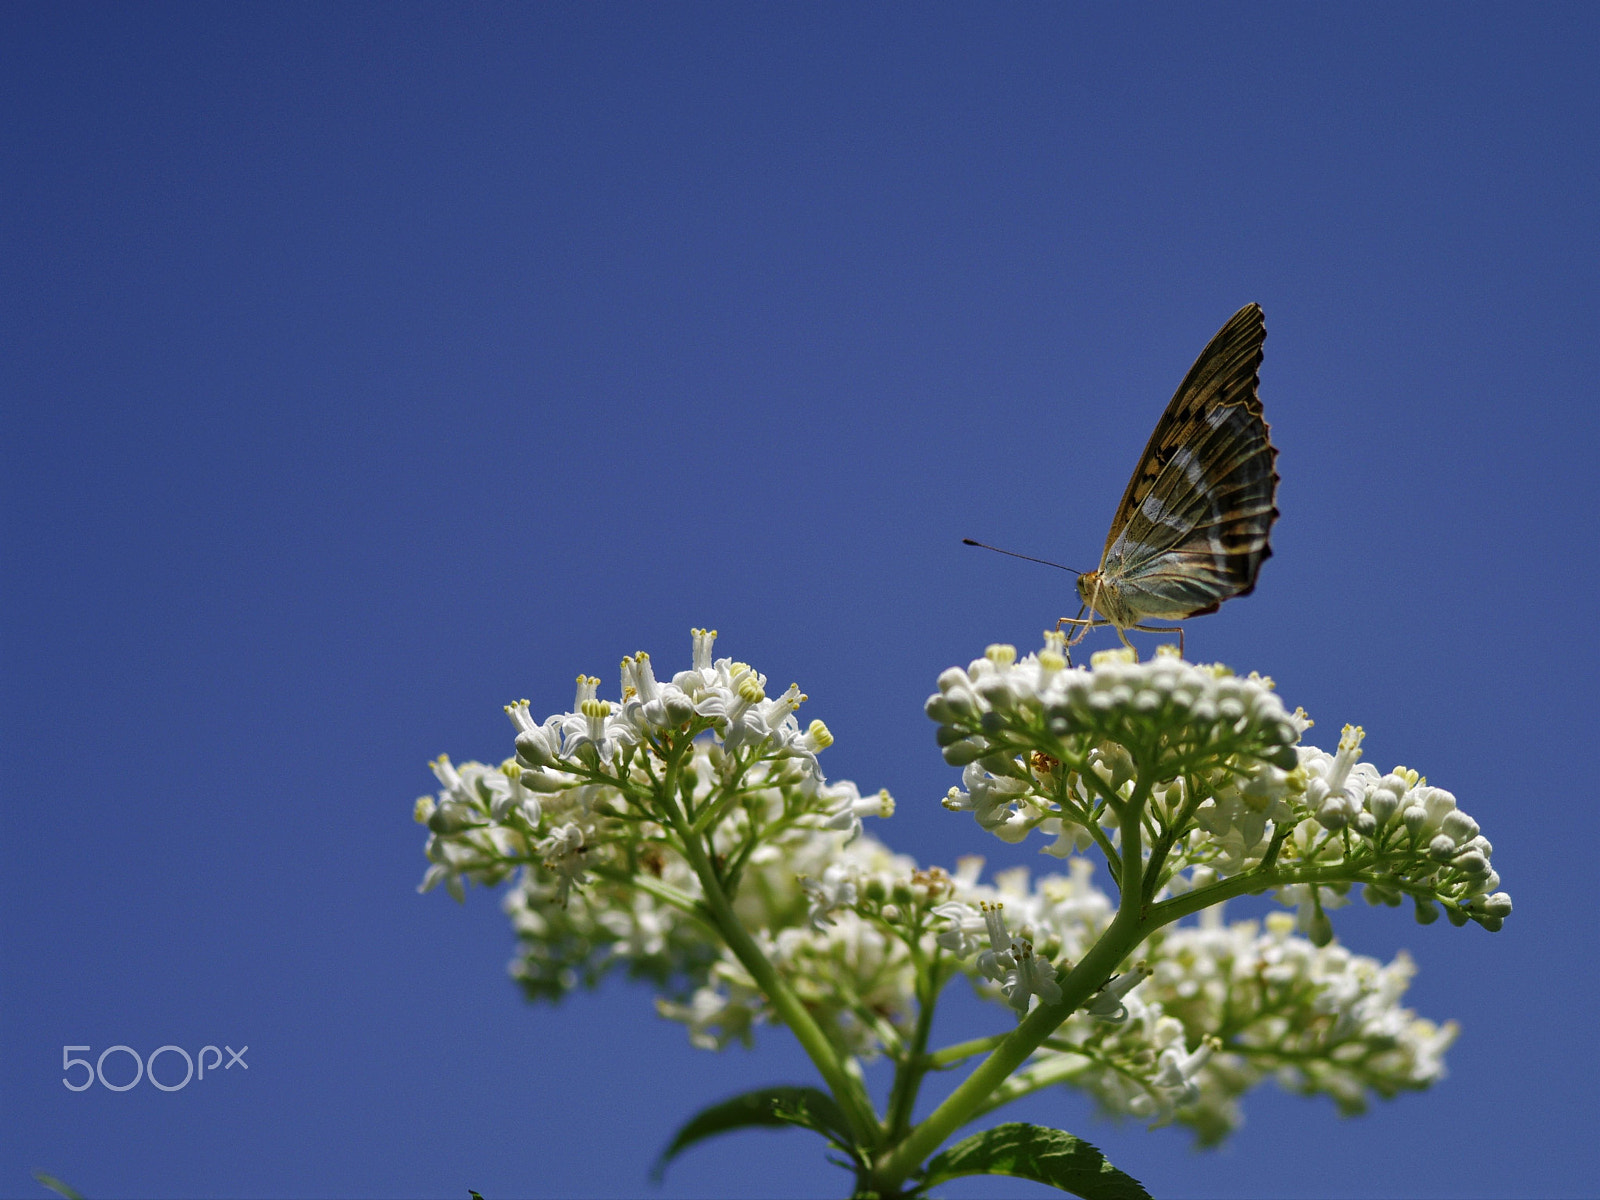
593,814
634,827
1208,764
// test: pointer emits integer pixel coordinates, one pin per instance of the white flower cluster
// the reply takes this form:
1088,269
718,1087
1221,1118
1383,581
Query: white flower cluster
830,916
619,822
1320,1019
726,696
1406,837
582,781
1063,750
1169,711
578,818
1208,1012
1015,932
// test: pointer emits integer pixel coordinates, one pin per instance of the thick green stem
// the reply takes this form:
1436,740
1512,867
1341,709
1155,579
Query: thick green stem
849,1093
1114,945
1120,939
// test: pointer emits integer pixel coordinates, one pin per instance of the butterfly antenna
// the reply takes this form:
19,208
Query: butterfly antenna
1014,554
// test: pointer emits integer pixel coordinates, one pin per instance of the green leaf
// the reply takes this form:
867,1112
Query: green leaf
1034,1152
55,1185
781,1105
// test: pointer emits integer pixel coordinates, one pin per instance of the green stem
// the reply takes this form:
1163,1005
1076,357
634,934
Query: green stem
950,1055
849,1093
914,1064
1052,1072
1256,881
1124,934
958,1108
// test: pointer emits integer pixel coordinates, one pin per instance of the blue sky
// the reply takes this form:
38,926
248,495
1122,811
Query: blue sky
366,367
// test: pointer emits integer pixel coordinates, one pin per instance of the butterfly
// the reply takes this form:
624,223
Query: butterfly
1192,529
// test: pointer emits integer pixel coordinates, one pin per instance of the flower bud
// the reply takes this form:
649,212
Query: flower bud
1458,827
1438,803
453,818
1377,893
1365,823
1427,911
959,754
543,781
532,749
1002,764
1284,757
1319,929
1383,802
678,709
999,695
1331,818
1497,905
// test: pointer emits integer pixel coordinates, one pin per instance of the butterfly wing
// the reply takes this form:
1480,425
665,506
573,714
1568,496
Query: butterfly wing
1192,529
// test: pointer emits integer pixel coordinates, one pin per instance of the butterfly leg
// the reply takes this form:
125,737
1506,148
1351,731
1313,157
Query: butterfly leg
1083,630
1123,637
1076,637
1084,625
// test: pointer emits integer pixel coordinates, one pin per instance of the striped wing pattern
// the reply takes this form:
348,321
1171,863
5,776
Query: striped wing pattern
1192,529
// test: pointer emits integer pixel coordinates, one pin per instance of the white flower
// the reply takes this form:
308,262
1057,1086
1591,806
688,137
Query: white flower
835,890
714,1019
1191,718
593,722
449,860
1071,838
562,853
730,697
537,745
1178,1070
848,806
1032,976
1107,1003
1338,784
655,705
966,930
995,801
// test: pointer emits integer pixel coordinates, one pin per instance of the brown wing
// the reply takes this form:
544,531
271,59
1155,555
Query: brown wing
1193,526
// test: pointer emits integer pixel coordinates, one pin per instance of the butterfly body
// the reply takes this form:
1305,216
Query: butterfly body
1193,526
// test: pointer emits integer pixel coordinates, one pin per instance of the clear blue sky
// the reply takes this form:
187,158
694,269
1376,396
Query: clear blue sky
367,366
